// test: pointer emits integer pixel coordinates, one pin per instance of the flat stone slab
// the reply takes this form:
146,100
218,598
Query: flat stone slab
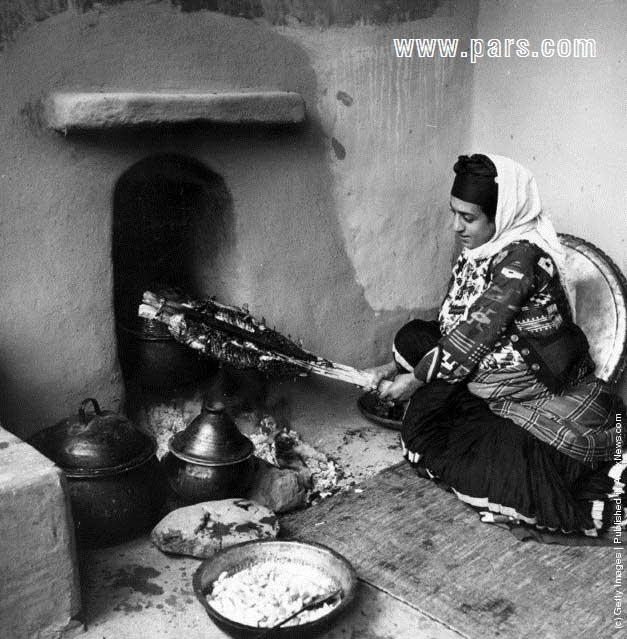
67,110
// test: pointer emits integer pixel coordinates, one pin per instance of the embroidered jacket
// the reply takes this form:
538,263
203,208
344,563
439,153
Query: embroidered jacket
522,307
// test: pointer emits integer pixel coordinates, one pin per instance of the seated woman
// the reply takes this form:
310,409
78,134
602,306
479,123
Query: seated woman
504,407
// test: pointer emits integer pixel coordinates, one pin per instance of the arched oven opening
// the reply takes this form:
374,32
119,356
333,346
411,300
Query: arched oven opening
170,215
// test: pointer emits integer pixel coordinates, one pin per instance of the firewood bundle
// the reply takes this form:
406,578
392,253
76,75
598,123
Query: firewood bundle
232,335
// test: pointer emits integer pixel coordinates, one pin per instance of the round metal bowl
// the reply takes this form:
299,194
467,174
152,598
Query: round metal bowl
379,412
315,558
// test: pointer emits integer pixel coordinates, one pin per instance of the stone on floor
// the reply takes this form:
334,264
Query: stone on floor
203,529
279,489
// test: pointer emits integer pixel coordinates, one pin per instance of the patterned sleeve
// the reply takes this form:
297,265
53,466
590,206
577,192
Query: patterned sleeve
513,280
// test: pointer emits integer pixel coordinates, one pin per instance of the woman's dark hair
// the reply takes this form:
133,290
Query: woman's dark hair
474,182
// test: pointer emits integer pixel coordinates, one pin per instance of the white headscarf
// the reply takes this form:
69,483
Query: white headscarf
519,216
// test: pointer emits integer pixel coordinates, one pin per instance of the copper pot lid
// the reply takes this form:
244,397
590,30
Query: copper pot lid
211,439
94,443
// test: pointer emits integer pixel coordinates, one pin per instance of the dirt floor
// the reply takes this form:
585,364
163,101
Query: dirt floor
134,590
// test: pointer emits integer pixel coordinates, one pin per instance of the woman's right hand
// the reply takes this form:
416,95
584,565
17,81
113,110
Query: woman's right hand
401,389
377,374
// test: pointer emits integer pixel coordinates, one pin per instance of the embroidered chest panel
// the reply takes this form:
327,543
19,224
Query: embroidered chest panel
468,281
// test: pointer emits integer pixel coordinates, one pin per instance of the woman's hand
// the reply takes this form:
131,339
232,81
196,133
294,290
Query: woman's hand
379,373
402,388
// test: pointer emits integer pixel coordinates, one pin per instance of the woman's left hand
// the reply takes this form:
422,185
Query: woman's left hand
402,388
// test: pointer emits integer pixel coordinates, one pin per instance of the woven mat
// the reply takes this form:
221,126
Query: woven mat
408,537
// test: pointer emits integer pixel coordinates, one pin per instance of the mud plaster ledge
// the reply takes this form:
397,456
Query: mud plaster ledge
101,110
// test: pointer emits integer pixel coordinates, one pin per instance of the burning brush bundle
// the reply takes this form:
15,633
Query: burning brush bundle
233,336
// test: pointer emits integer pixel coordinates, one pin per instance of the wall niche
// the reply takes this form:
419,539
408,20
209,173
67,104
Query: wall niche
172,219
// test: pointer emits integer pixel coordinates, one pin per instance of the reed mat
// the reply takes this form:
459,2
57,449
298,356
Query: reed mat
409,538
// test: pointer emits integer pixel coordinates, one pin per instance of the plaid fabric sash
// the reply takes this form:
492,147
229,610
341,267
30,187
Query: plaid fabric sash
581,422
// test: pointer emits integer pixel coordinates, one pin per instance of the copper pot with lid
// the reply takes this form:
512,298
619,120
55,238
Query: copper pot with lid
114,479
210,459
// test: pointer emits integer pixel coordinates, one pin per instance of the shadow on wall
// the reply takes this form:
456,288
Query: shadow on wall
17,14
320,13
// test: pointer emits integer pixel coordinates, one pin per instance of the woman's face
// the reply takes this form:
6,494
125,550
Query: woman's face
470,223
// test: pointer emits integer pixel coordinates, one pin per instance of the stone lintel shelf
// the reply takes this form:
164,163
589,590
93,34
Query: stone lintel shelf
68,110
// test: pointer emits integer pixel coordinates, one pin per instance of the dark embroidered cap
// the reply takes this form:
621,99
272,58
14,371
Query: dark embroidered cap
474,182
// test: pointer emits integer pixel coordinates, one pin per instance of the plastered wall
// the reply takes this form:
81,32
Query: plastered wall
340,227
564,118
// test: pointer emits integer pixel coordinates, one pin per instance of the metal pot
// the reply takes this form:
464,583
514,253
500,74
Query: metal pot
210,459
152,358
115,482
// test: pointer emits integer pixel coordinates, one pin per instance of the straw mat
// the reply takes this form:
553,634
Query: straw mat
411,539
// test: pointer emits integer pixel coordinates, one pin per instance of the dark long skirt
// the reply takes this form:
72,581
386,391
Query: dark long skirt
501,469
